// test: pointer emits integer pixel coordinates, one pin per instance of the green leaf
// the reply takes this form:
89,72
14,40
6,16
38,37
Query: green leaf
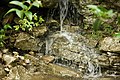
94,8
117,35
1,44
2,31
29,15
7,26
18,3
41,19
16,27
11,10
102,9
28,1
36,4
97,24
20,13
110,13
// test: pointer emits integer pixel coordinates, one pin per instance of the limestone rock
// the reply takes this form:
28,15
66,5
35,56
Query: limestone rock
39,31
110,44
25,41
18,73
8,59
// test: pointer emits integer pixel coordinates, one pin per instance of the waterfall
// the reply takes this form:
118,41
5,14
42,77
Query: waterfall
93,69
63,4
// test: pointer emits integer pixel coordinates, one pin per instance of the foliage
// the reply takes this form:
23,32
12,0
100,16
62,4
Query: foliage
25,24
27,19
101,14
2,34
25,11
117,35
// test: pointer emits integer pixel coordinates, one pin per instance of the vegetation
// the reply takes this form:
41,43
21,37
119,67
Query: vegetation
27,19
101,14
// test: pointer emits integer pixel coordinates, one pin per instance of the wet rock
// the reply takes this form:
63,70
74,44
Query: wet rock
5,50
104,60
49,3
32,60
2,71
53,25
48,59
71,29
40,76
71,49
18,73
39,31
110,44
8,59
25,41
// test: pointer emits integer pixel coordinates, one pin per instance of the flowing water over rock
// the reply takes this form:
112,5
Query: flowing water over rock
71,49
63,11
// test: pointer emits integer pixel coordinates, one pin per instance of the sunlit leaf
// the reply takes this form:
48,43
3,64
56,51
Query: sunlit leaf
41,19
36,4
18,3
7,26
29,15
110,13
1,44
11,10
19,13
2,31
28,1
16,27
92,6
95,9
117,35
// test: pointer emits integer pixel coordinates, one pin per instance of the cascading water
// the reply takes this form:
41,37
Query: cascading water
53,47
63,11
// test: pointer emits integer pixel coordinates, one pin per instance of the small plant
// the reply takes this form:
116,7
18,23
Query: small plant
25,24
25,9
27,18
2,34
101,14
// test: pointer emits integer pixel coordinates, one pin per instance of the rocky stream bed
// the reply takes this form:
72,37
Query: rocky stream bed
64,59
46,53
